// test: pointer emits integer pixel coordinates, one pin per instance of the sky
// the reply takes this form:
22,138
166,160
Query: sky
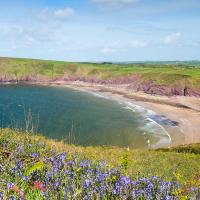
100,30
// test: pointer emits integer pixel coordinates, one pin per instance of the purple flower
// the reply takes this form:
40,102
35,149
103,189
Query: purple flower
43,193
125,181
18,165
62,157
85,198
166,198
1,196
168,184
114,191
18,149
24,178
34,155
56,184
49,175
87,183
70,163
133,194
84,163
10,185
100,177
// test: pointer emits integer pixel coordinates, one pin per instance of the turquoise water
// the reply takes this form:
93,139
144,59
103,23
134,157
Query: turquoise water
78,117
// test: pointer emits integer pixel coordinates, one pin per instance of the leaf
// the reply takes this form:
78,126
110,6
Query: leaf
37,166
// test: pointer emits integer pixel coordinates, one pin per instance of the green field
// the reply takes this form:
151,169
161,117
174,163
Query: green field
161,73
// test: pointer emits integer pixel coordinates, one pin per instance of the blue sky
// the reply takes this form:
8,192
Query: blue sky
100,30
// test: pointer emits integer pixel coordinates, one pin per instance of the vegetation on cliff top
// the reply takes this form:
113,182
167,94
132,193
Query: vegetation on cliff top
33,167
166,74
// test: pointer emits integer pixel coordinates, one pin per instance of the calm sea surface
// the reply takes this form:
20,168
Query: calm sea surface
77,117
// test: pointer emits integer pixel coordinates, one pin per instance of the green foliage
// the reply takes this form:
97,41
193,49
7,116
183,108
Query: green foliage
124,162
162,73
32,152
133,161
36,166
192,149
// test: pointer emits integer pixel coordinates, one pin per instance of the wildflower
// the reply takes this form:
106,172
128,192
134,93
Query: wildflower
10,185
19,149
56,184
1,195
21,194
166,198
62,157
133,194
83,164
125,181
89,171
34,155
49,175
70,163
38,185
168,184
100,177
87,183
19,164
24,178
15,189
85,198
114,191
43,194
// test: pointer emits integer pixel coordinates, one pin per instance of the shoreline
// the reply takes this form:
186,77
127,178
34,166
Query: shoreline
180,109
183,110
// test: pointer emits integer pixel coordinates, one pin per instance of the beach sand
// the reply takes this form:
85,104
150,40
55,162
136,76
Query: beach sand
184,110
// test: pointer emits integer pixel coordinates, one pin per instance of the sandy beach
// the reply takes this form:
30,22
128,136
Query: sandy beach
183,110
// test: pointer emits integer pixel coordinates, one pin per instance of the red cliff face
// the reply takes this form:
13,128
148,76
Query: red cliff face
133,82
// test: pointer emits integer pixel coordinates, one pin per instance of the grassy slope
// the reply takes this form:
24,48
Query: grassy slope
182,166
162,73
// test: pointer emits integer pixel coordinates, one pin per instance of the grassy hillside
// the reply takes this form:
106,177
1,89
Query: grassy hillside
167,74
34,167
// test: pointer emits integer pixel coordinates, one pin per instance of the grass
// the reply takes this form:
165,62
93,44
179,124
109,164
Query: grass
181,164
166,74
192,149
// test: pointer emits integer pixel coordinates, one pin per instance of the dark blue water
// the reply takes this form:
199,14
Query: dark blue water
74,116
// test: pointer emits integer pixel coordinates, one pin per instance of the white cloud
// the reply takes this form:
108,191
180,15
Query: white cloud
60,14
107,50
172,38
138,44
114,2
65,13
114,47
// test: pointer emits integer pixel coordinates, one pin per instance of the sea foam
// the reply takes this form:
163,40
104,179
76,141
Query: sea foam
152,120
